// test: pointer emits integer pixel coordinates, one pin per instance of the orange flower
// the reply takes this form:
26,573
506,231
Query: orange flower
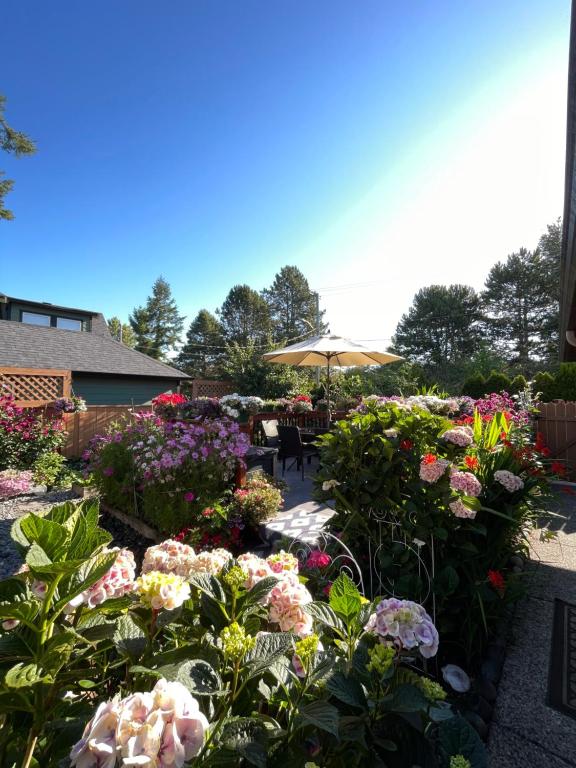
471,462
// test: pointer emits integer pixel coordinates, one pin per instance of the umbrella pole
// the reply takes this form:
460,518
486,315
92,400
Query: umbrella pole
328,415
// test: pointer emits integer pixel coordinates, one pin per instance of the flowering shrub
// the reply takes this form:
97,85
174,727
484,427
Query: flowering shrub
297,404
204,407
236,405
175,470
13,482
258,500
199,671
469,489
26,434
168,404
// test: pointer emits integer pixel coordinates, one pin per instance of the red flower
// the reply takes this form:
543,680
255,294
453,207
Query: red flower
471,462
406,445
207,512
429,458
540,442
497,581
545,451
558,468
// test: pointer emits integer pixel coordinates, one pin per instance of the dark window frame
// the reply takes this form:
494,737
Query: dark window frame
84,323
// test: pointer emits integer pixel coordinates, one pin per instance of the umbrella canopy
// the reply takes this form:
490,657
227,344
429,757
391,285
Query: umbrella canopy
328,351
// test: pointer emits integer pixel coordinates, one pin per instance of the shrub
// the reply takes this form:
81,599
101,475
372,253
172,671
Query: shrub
544,386
497,382
47,468
518,384
240,646
474,386
26,434
565,382
257,501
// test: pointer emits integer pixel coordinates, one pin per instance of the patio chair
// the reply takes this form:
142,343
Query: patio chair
270,429
292,447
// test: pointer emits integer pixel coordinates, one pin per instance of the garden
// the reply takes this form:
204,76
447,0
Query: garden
372,648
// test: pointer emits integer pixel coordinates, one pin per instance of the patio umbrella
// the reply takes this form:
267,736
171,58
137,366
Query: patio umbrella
329,351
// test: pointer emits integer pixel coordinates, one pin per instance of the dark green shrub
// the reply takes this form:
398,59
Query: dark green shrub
565,382
474,386
544,385
517,384
497,382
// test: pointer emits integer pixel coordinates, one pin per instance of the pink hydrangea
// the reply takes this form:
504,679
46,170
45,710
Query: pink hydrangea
255,568
466,483
282,561
432,468
406,624
461,436
169,557
510,481
116,582
318,559
459,509
285,601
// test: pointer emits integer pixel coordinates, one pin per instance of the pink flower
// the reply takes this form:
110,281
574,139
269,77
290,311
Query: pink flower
116,582
466,483
432,468
406,624
318,559
459,509
285,602
189,496
462,436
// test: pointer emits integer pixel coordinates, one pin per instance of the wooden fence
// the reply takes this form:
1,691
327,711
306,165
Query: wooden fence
82,427
35,387
208,388
308,419
556,422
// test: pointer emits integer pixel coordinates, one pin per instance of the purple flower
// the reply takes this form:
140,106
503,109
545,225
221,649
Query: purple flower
189,496
108,471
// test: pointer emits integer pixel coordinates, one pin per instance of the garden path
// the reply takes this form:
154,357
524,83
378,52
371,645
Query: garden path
525,731
301,517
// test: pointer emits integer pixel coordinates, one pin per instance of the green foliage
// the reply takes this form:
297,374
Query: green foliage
292,306
245,317
475,386
67,657
122,332
497,382
544,385
258,500
203,351
252,376
48,468
157,326
565,382
15,143
26,434
518,384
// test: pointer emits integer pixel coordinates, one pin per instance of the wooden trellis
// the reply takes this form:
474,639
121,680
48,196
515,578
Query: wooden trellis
33,387
209,388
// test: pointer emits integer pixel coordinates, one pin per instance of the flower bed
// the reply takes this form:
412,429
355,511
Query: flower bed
205,659
435,507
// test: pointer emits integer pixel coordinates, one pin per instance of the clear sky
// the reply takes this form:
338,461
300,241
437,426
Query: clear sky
376,144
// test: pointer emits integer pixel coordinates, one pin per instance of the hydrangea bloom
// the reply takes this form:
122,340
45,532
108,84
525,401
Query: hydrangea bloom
163,728
462,436
255,568
210,562
169,557
162,590
282,561
406,624
116,582
465,482
285,601
459,509
509,480
432,468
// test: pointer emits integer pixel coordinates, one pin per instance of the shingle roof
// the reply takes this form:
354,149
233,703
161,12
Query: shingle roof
31,346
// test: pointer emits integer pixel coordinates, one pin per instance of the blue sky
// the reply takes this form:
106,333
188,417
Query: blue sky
213,141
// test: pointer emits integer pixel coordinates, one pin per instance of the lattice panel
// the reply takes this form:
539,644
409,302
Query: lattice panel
211,388
35,387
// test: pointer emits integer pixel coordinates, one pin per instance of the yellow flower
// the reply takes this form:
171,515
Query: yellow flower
162,590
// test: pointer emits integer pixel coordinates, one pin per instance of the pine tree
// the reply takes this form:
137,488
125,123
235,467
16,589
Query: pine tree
17,144
293,306
158,325
550,248
202,354
245,317
121,332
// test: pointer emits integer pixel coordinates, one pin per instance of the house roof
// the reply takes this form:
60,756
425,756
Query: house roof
568,262
32,346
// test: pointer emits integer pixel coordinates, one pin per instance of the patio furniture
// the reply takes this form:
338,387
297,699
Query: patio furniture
292,447
261,458
270,429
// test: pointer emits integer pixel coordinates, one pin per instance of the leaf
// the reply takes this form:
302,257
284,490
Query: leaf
268,648
58,651
323,613
260,590
345,599
446,582
128,637
22,610
49,535
25,676
247,736
87,575
347,689
199,677
209,585
406,698
321,714
457,737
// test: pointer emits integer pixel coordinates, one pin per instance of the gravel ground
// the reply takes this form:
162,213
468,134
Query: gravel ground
10,510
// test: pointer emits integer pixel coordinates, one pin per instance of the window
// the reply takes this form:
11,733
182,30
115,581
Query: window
35,319
68,324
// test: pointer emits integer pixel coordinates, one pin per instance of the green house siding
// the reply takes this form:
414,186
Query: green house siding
116,390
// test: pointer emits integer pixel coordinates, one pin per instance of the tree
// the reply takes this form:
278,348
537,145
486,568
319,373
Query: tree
517,302
17,144
244,365
121,332
550,248
293,306
245,317
202,354
441,329
158,325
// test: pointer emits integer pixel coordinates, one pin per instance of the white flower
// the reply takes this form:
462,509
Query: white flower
456,678
391,432
327,485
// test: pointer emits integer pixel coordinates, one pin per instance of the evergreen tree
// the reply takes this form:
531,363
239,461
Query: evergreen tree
140,325
121,332
202,354
17,144
517,302
293,306
159,323
245,317
550,248
441,330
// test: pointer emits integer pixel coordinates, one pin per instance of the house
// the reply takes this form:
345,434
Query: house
44,337
568,261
